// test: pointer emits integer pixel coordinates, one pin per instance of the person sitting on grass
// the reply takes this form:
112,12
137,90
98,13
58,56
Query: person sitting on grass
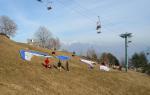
59,65
46,63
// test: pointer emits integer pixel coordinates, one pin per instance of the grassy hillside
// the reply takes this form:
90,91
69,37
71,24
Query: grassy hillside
18,77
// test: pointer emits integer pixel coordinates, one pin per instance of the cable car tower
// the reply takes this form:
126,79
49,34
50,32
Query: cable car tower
98,27
126,36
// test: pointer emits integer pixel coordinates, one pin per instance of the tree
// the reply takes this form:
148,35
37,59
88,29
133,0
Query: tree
56,43
53,43
45,39
103,57
91,54
146,69
139,60
109,58
7,26
112,60
42,36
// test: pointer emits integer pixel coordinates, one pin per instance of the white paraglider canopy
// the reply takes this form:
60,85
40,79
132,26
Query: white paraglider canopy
90,63
104,68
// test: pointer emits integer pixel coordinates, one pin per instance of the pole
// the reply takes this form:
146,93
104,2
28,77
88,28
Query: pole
126,54
125,36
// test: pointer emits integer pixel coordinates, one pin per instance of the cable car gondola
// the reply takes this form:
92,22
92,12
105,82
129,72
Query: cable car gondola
46,3
39,0
98,27
49,7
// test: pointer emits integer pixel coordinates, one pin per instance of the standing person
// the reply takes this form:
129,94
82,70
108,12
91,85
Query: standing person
59,65
67,66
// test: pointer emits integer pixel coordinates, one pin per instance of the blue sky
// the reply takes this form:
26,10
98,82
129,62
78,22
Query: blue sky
75,20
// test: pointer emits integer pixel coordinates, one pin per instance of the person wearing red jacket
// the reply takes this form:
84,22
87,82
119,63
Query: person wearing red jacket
46,63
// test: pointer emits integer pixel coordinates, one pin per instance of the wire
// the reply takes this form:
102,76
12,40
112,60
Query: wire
85,9
84,14
104,18
80,13
81,7
46,3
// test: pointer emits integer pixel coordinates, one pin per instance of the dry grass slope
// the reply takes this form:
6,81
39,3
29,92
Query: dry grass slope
18,77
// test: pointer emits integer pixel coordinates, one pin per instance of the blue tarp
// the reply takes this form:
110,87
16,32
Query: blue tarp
63,57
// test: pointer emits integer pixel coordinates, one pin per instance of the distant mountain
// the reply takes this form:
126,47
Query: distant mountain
81,48
115,49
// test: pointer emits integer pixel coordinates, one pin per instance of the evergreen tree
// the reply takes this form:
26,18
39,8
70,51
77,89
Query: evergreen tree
139,60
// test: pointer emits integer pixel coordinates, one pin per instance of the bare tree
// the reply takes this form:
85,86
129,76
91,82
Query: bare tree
7,26
91,54
45,39
54,43
42,36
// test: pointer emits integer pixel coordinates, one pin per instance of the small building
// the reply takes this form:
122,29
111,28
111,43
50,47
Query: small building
33,42
30,41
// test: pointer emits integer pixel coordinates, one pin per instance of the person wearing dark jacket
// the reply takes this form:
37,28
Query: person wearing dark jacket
59,65
67,66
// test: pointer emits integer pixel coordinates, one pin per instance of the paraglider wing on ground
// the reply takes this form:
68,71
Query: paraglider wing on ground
28,54
63,58
90,63
104,68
